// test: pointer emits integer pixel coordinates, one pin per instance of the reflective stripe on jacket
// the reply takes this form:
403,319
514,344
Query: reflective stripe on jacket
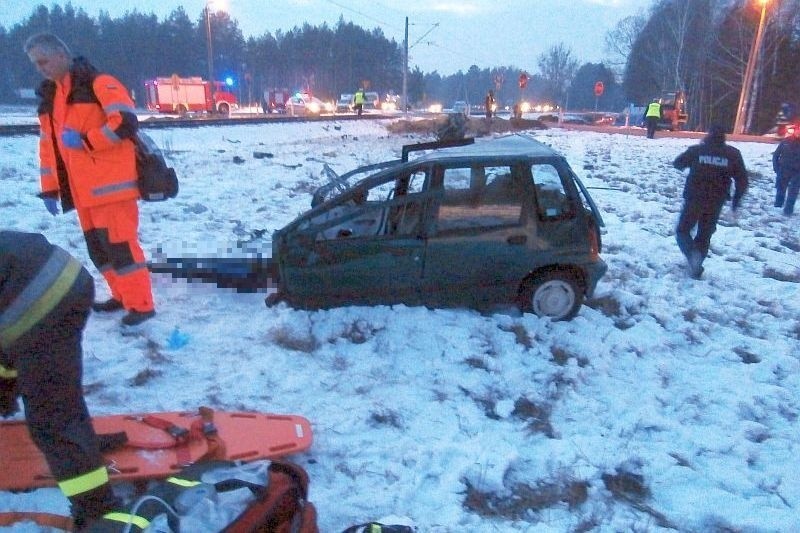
39,297
35,276
99,108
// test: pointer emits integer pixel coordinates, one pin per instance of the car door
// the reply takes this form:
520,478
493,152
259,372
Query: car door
561,222
478,248
352,253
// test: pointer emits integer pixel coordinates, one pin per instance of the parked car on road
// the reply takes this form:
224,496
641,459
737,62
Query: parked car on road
467,223
461,106
345,103
372,100
302,104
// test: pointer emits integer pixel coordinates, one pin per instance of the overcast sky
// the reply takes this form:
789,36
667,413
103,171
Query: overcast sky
444,35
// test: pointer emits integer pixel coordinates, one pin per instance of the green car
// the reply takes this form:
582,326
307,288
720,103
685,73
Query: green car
472,224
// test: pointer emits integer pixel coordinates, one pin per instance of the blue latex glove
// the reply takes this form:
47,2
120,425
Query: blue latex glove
71,139
52,205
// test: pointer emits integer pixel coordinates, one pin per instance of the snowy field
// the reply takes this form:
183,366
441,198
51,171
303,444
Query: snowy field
666,404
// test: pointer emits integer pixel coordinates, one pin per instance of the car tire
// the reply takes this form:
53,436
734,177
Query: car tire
182,111
554,294
224,110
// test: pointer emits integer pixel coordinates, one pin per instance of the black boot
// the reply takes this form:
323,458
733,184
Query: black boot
90,506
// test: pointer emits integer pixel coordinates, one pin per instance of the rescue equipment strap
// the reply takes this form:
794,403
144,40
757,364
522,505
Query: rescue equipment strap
176,432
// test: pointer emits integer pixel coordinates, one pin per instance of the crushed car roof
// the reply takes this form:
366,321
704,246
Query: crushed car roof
516,145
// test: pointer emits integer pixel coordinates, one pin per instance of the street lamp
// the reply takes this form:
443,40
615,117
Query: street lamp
744,97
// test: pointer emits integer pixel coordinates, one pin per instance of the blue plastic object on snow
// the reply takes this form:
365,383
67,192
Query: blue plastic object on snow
177,340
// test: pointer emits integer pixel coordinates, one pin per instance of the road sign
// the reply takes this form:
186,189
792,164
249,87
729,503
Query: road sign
523,80
598,88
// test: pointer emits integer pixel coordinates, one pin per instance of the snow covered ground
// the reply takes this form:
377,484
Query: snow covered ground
667,403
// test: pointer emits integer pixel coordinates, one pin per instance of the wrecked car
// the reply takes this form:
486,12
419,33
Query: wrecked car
466,223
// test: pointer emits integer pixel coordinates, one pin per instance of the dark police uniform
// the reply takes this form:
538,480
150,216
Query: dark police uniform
712,164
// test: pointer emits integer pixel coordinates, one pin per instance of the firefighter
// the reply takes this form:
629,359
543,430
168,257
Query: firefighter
652,116
45,298
88,162
712,164
786,164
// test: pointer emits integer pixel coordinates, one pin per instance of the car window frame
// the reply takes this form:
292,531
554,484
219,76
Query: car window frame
517,167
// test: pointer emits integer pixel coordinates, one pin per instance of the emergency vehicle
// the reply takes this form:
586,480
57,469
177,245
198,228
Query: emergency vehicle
188,95
673,111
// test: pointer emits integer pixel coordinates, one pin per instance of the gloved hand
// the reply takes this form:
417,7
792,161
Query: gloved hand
8,397
51,204
71,139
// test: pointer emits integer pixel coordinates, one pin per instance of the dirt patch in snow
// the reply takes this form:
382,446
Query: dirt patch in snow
474,127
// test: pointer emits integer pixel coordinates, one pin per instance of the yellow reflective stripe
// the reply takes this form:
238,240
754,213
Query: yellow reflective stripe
45,303
182,482
84,482
7,373
375,528
125,518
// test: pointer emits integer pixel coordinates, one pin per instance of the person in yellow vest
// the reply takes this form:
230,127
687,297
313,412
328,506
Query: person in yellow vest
45,299
358,101
652,116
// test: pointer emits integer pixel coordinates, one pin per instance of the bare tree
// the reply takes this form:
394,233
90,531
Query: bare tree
620,41
557,68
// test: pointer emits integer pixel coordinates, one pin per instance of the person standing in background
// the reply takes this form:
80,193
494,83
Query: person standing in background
358,101
489,103
652,116
88,162
786,164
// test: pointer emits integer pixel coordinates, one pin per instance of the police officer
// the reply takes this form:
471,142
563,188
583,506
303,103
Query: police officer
712,164
45,299
786,164
358,101
652,116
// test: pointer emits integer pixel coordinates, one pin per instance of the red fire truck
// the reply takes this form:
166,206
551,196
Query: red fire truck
185,95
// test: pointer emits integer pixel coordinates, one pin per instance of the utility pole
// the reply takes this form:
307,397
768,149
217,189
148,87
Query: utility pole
744,97
212,85
405,71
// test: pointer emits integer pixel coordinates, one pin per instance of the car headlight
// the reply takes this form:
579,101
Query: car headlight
313,107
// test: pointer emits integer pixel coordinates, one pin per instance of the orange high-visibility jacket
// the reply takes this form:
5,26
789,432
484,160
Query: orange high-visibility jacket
99,108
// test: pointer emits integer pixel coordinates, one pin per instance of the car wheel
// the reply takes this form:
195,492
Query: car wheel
182,111
225,109
552,294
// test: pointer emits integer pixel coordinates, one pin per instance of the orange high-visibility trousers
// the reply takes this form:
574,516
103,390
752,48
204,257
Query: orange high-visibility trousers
112,238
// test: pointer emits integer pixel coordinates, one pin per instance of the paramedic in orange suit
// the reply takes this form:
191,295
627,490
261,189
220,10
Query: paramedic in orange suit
88,162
